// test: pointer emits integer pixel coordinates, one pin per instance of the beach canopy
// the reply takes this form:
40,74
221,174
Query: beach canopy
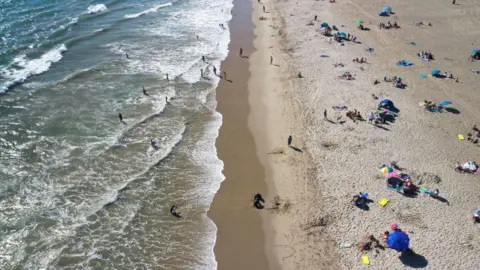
386,103
387,9
359,21
386,169
445,103
324,24
435,72
398,241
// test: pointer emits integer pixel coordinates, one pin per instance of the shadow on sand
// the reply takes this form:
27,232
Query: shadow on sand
413,260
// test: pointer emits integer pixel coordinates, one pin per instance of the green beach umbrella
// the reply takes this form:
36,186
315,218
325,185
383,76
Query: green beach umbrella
359,22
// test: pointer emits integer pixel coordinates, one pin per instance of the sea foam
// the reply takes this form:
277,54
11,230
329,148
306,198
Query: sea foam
94,9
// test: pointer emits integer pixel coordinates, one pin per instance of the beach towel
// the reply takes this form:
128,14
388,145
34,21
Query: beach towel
383,202
404,63
365,259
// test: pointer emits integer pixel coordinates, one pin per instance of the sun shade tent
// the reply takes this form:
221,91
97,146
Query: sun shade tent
386,103
435,72
387,10
398,241
445,103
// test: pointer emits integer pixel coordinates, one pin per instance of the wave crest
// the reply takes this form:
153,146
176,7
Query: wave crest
25,68
154,9
94,9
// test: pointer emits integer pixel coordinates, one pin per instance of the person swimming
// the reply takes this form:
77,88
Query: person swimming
154,144
174,212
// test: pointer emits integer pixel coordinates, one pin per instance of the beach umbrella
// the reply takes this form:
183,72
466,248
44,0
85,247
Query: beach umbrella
435,72
387,9
475,51
342,35
445,103
386,170
392,174
386,102
398,241
359,22
324,24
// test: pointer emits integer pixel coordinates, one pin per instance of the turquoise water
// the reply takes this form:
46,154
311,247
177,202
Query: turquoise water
80,189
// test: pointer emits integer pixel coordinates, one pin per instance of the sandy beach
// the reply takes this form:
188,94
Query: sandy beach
333,159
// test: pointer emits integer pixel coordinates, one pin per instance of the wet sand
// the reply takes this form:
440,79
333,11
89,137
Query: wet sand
240,238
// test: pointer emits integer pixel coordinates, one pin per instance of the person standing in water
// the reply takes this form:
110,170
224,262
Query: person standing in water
174,212
201,73
144,91
241,52
290,139
203,58
120,117
168,78
214,70
126,54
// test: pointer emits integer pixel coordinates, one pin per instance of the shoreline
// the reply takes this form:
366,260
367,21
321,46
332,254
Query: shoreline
240,242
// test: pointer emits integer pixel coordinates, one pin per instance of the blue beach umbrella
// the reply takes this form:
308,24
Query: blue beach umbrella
342,35
386,103
324,24
398,241
435,72
387,9
474,51
445,103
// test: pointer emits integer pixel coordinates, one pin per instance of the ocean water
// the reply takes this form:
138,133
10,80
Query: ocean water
81,190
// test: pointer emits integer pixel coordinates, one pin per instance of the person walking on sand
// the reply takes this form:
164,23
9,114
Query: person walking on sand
258,1
289,140
315,18
371,117
120,116
241,52
454,2
263,9
271,60
325,114
225,75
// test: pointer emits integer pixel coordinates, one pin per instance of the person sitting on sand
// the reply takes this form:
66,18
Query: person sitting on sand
395,25
369,241
258,201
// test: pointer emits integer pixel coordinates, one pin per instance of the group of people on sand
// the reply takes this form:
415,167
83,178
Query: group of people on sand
425,55
388,25
354,115
471,137
347,76
360,61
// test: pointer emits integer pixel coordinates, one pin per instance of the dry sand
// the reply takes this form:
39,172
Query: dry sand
319,216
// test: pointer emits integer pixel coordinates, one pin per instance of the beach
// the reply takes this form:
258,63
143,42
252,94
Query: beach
334,158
